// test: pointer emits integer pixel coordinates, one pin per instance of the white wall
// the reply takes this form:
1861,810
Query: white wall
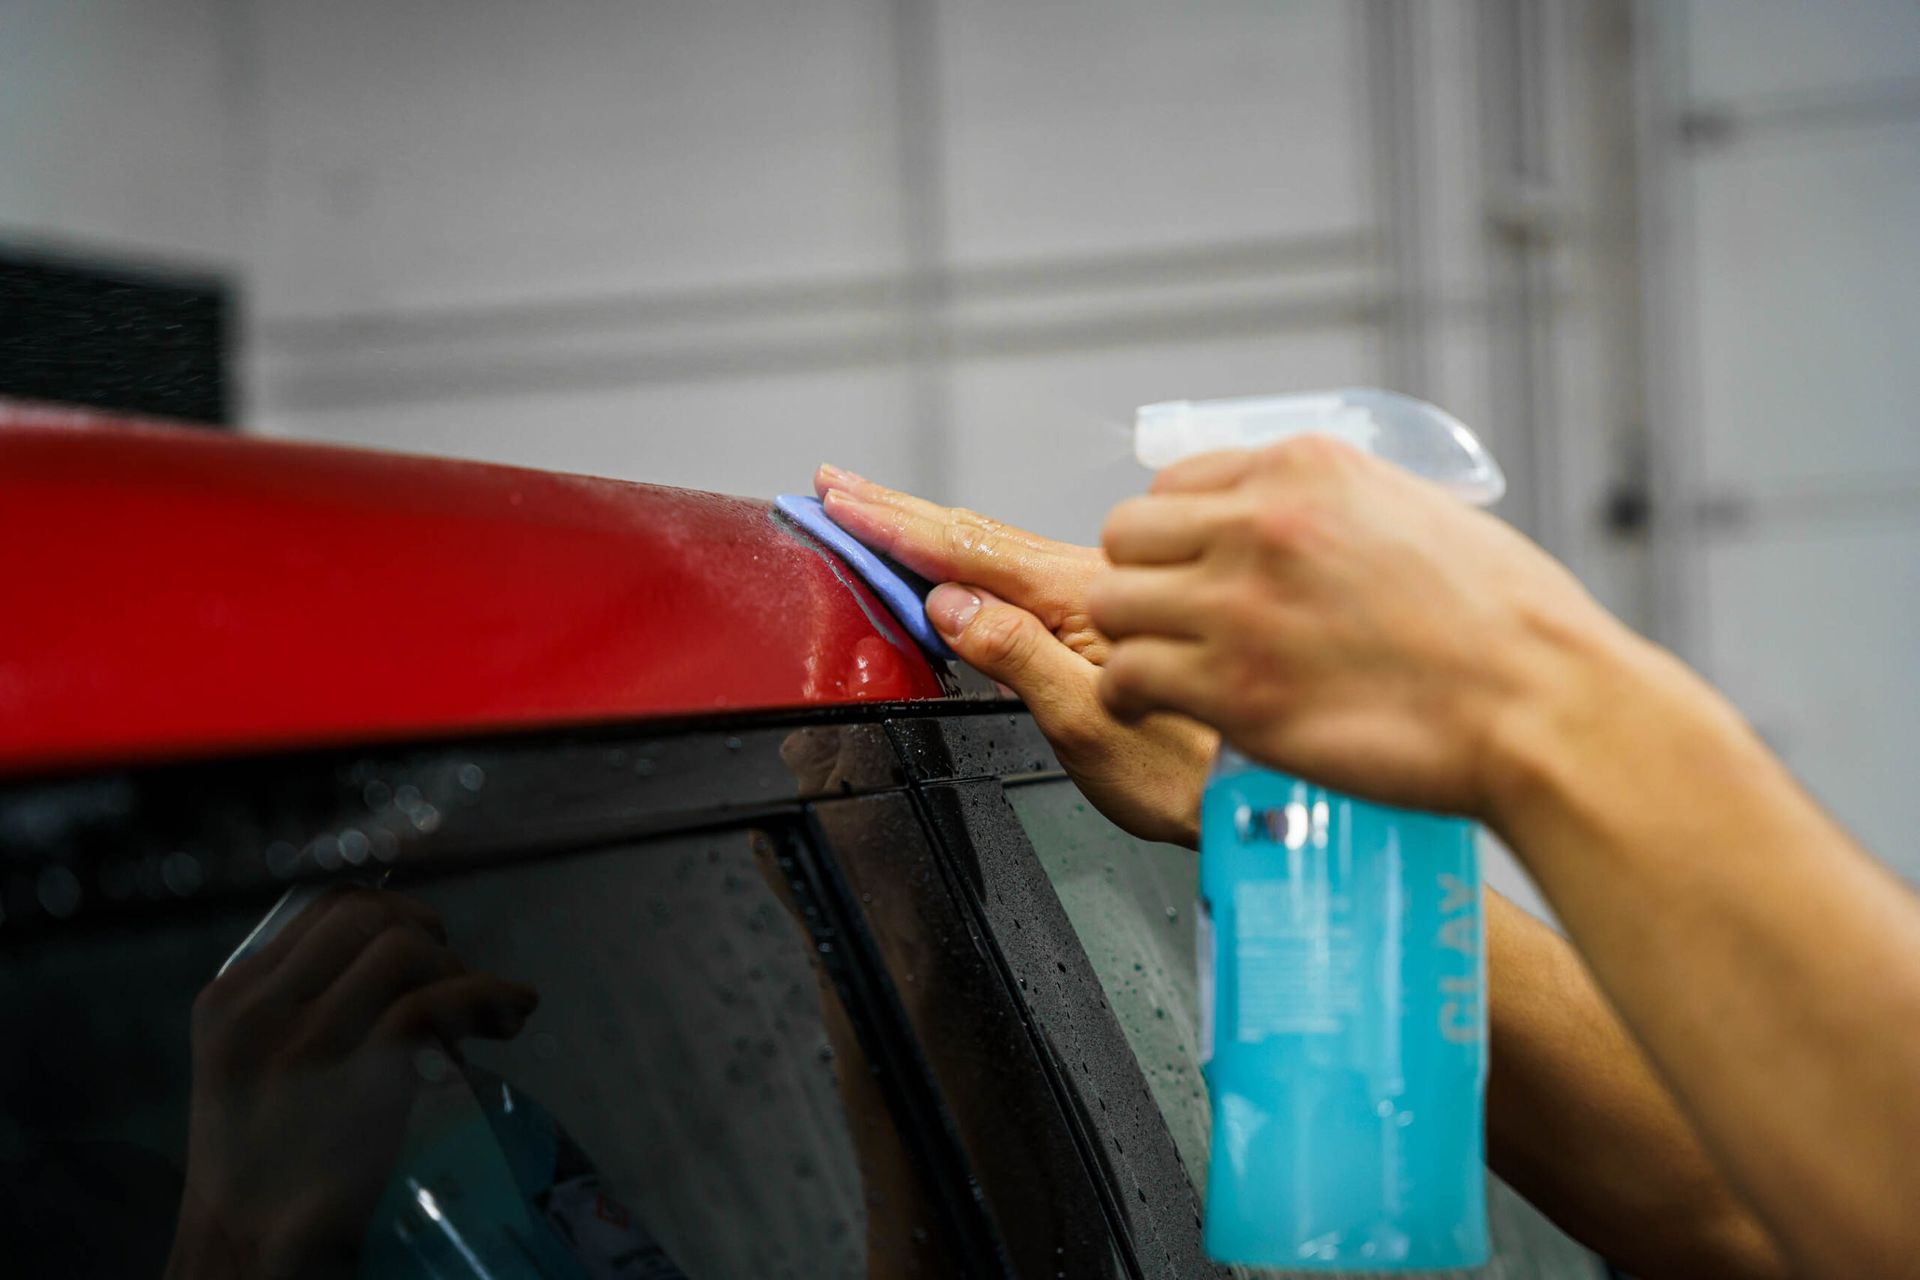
1792,166
115,129
675,242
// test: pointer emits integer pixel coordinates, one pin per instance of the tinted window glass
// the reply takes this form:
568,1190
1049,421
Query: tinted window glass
1131,906
689,1097
981,1057
1130,903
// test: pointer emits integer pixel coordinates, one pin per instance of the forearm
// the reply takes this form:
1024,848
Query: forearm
1577,1122
1770,970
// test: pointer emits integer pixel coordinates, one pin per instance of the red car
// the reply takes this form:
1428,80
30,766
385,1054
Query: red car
805,916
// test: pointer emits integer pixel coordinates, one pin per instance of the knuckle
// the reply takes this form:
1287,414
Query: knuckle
1079,632
967,533
1284,528
1000,639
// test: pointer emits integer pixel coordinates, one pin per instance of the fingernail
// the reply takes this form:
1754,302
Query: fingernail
839,501
837,476
951,607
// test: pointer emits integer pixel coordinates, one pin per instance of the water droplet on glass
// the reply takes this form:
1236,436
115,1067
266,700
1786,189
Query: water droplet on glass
733,744
281,859
59,891
377,795
354,846
1173,913
408,798
426,819
182,873
472,777
324,852
826,1053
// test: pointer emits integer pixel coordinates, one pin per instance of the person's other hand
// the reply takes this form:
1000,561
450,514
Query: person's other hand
1338,618
306,1058
1014,606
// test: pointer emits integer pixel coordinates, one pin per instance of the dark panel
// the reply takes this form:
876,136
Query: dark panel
123,841
999,1098
694,1041
1121,1123
113,337
993,744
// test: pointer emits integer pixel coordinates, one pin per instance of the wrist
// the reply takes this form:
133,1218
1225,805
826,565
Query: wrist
1578,698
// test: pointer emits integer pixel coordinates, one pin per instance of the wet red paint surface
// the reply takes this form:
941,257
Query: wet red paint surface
177,592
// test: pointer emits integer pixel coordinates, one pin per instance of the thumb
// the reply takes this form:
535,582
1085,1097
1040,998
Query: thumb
1006,643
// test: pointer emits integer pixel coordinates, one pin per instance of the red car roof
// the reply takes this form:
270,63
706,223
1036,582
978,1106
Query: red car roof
177,592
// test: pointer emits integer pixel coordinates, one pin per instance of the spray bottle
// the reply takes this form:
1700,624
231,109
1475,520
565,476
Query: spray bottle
1342,958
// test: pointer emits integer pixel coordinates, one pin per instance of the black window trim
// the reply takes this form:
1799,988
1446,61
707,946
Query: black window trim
441,806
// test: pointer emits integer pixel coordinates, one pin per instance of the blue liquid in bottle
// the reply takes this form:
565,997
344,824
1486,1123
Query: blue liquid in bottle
1343,966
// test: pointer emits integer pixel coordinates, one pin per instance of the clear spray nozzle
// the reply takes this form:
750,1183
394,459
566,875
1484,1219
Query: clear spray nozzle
1423,438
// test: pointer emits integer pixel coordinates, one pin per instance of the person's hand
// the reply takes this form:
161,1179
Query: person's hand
306,1058
1014,606
1338,618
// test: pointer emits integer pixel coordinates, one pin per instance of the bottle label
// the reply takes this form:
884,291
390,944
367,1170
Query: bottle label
1296,959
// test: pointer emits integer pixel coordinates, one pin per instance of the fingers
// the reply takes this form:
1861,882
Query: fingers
1206,473
1157,674
456,1008
343,925
949,544
1010,645
399,961
1133,602
1167,529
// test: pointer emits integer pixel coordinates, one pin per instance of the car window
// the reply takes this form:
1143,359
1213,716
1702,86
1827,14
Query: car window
1130,903
689,1098
981,1058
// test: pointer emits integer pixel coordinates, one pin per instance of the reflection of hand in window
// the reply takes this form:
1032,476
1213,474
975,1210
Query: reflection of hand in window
815,756
306,1057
